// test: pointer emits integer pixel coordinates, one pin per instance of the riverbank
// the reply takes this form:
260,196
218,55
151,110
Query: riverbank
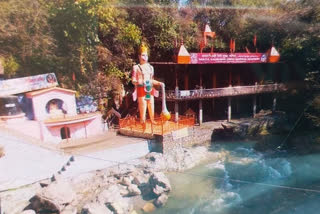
138,185
272,131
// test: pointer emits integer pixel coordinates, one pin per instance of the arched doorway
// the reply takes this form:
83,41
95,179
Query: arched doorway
65,133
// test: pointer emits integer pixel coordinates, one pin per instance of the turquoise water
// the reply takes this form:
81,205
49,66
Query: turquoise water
246,181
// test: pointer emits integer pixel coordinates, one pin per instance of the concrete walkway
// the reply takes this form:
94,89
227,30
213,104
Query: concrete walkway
26,163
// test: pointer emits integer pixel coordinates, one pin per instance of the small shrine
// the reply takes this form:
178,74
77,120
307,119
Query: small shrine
40,109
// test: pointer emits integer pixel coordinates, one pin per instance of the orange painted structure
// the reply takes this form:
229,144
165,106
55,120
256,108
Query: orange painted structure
132,127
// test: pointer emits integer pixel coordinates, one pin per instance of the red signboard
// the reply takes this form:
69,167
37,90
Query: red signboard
227,58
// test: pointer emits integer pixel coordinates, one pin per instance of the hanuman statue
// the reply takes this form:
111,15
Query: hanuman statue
142,78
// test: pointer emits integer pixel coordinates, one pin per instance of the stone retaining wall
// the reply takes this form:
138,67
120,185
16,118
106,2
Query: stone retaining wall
186,137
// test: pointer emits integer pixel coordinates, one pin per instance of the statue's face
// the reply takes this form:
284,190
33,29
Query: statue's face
143,58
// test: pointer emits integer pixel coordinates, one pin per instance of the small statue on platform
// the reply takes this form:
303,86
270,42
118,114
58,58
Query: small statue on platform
142,78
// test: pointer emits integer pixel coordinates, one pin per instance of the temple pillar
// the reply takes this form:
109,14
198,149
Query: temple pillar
200,111
200,78
200,101
238,103
186,81
176,111
229,98
229,109
186,87
176,77
214,85
274,103
254,105
176,105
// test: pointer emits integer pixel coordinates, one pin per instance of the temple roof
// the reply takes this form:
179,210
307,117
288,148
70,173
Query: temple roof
42,91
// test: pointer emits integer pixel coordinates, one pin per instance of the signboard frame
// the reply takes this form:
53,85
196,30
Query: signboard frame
228,58
26,84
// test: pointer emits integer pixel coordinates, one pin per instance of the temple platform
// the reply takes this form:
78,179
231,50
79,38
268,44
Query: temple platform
131,126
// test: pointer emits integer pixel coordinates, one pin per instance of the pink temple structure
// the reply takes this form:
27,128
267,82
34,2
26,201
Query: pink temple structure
48,114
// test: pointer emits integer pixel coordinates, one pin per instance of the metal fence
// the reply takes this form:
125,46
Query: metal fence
224,92
159,127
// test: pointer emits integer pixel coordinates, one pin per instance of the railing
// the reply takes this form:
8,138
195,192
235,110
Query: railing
172,95
160,127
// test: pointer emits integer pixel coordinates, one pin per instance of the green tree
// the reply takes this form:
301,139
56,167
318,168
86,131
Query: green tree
75,28
25,36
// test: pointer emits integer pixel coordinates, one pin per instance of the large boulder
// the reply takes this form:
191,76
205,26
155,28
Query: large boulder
140,178
148,207
161,200
133,190
122,169
113,199
95,208
109,195
119,207
160,183
53,198
156,161
126,180
158,190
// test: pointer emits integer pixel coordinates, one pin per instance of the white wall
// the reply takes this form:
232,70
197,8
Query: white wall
39,103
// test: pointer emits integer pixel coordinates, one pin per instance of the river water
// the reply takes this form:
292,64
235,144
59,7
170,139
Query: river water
246,181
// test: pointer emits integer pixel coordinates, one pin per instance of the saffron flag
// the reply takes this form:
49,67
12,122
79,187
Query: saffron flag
255,40
208,32
73,76
234,46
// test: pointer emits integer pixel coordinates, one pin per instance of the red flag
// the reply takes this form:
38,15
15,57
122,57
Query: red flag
73,76
231,45
234,46
255,40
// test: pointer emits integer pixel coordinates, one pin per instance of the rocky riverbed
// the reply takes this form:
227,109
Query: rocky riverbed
125,188
142,184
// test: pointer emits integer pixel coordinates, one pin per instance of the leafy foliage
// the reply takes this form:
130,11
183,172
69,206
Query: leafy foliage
96,41
25,35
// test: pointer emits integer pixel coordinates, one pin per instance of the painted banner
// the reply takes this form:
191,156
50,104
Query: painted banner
25,84
227,58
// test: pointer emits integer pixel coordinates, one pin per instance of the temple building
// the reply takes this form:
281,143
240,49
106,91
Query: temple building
221,85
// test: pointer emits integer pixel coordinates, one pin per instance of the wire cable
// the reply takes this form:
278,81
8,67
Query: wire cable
294,126
185,173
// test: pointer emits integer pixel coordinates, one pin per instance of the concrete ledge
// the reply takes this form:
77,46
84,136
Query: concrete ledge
131,133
